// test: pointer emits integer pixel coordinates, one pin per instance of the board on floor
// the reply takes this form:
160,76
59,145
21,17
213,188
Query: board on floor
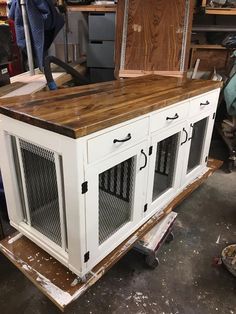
58,283
24,83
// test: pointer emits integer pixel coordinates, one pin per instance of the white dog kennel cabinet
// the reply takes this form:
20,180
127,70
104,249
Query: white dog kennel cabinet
79,195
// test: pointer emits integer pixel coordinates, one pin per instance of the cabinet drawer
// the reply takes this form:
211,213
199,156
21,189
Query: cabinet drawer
169,117
116,140
102,26
203,103
101,54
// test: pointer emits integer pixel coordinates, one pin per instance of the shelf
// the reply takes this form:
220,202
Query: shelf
220,11
216,47
213,28
91,8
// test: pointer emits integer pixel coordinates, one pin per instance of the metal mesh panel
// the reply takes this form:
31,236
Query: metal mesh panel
41,188
165,163
116,186
19,177
198,133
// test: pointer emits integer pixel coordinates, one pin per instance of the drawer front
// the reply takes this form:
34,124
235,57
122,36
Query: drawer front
101,26
203,103
101,54
169,117
117,140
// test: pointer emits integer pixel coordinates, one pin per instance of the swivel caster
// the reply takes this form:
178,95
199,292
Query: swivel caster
170,237
152,261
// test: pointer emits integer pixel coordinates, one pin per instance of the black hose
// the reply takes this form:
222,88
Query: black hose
78,78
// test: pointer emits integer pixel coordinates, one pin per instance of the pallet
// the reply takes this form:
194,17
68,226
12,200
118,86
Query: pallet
59,284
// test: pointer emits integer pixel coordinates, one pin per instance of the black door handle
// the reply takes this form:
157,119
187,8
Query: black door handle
205,103
176,116
186,133
128,137
192,126
145,163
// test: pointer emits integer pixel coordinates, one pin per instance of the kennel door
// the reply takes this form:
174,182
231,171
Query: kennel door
115,199
39,181
165,167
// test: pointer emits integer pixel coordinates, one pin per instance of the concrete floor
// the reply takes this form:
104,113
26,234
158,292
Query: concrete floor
185,282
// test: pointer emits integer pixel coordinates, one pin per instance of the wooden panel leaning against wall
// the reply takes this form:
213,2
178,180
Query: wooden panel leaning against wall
153,37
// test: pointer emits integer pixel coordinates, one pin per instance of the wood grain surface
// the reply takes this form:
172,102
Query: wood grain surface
155,34
91,8
211,56
79,111
4,90
55,280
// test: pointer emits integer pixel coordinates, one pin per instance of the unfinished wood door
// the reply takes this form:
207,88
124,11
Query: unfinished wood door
155,35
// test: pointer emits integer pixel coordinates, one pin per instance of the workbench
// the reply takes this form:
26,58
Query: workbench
91,8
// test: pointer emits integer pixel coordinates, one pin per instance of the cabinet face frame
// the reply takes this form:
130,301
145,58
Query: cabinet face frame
97,252
187,177
170,192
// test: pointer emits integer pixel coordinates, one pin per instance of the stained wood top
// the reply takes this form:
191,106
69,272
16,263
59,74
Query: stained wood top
79,111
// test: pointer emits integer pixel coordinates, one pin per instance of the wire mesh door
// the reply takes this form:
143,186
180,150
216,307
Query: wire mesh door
166,154
197,143
37,177
116,189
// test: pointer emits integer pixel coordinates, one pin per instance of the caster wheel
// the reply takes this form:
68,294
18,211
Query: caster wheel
230,166
152,261
169,238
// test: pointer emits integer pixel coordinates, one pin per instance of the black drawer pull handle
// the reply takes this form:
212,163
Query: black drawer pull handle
128,137
191,125
176,116
186,133
145,163
205,103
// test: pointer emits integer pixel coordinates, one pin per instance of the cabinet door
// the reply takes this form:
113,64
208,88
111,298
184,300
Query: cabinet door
115,200
165,166
199,138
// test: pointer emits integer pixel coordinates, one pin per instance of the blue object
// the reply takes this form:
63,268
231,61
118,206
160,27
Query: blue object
52,85
44,21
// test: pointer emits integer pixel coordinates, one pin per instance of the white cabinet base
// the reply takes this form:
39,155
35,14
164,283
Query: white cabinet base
78,199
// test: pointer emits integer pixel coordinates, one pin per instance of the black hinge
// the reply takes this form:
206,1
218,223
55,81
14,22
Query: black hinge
214,115
145,207
86,257
206,159
150,150
85,187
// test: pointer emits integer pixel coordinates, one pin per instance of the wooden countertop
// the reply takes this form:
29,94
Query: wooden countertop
92,8
79,111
